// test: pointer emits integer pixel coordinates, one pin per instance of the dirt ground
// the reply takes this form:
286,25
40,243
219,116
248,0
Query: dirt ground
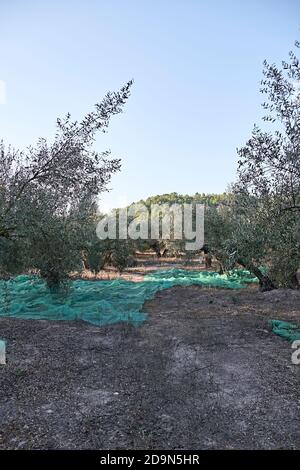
203,372
146,263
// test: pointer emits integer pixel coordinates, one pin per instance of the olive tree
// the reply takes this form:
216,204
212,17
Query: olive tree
269,172
260,226
48,192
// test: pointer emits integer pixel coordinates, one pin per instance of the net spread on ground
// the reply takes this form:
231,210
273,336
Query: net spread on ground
103,302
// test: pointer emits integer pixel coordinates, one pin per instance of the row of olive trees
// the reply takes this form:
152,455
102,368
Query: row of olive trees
256,225
48,212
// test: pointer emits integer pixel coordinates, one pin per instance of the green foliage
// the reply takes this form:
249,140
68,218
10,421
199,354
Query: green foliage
47,194
175,198
173,247
99,254
269,173
260,223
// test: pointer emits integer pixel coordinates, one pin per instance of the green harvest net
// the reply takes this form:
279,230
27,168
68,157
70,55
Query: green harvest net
103,302
286,330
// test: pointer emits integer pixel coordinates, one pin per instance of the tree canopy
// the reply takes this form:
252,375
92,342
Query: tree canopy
48,193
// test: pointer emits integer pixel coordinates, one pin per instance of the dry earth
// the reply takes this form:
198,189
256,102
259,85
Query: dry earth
204,372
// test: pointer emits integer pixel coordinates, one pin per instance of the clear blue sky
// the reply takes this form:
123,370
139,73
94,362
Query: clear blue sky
196,65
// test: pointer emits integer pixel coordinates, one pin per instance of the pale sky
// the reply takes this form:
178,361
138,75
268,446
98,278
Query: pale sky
196,65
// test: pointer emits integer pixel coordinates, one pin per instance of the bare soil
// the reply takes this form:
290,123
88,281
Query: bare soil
203,372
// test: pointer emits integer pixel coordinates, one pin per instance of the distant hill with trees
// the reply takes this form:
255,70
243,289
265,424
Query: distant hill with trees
210,199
